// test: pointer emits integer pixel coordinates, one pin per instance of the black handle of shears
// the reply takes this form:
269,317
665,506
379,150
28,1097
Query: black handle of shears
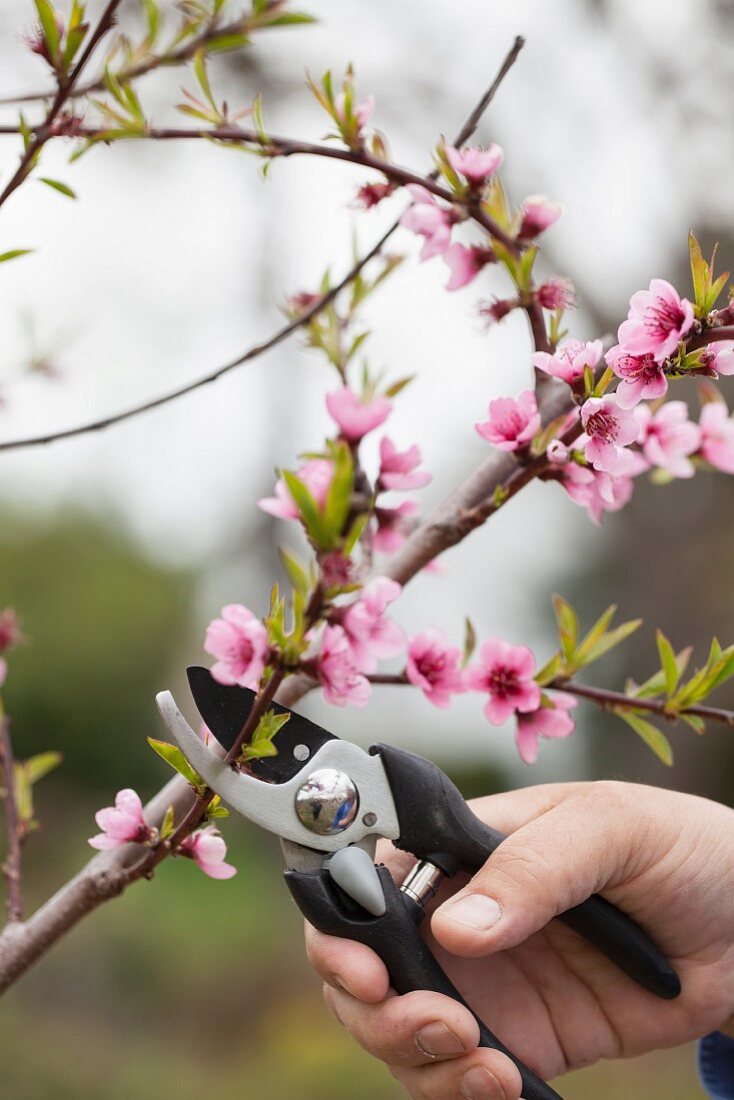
437,824
396,939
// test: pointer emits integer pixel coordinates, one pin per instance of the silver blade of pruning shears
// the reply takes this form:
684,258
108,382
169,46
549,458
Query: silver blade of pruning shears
340,797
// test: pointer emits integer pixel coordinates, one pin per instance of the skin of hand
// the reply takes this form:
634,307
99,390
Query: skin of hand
665,859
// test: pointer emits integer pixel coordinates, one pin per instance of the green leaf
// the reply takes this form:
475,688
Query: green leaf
167,826
57,185
309,511
203,78
291,18
356,531
49,27
173,756
550,670
296,573
654,738
597,632
568,626
668,663
228,42
339,496
695,722
470,641
610,640
656,684
13,253
261,743
397,387
36,767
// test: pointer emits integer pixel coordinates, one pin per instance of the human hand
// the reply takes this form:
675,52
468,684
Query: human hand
666,859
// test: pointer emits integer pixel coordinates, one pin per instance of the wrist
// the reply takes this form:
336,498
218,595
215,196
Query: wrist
727,1028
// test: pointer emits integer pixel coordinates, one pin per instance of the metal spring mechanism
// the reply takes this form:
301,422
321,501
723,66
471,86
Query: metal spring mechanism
422,882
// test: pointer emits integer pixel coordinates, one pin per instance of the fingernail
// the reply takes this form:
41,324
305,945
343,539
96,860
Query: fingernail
475,910
435,1039
479,1084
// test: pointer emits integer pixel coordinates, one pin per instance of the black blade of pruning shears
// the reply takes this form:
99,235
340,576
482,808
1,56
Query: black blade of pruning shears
226,709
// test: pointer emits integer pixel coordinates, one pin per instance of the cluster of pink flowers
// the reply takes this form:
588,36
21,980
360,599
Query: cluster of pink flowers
352,644
432,221
399,471
239,641
504,673
124,823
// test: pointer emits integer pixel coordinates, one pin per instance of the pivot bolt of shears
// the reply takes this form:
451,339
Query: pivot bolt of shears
327,801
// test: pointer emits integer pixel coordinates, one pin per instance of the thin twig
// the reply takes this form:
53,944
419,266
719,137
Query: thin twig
170,59
283,333
13,858
65,88
615,700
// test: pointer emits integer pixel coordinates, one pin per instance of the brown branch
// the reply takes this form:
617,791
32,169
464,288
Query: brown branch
109,873
13,828
467,130
156,61
614,700
65,88
710,336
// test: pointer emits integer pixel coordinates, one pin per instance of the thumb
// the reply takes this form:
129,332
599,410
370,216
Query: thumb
544,868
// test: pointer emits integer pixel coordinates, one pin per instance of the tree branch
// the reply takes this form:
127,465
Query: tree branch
65,88
107,874
13,858
467,130
614,700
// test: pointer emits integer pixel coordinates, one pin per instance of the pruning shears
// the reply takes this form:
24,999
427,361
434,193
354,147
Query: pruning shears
329,801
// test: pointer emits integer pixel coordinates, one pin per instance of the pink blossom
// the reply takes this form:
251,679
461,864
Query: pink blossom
547,721
363,111
668,437
505,672
370,195
570,359
609,427
208,849
336,569
658,319
301,302
596,491
496,310
10,632
465,263
393,526
398,468
717,436
719,357
354,416
239,641
512,423
556,293
121,823
340,679
538,213
557,452
429,220
434,666
642,377
474,164
372,636
316,475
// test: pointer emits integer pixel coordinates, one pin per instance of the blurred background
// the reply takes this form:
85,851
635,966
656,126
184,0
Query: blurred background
118,548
